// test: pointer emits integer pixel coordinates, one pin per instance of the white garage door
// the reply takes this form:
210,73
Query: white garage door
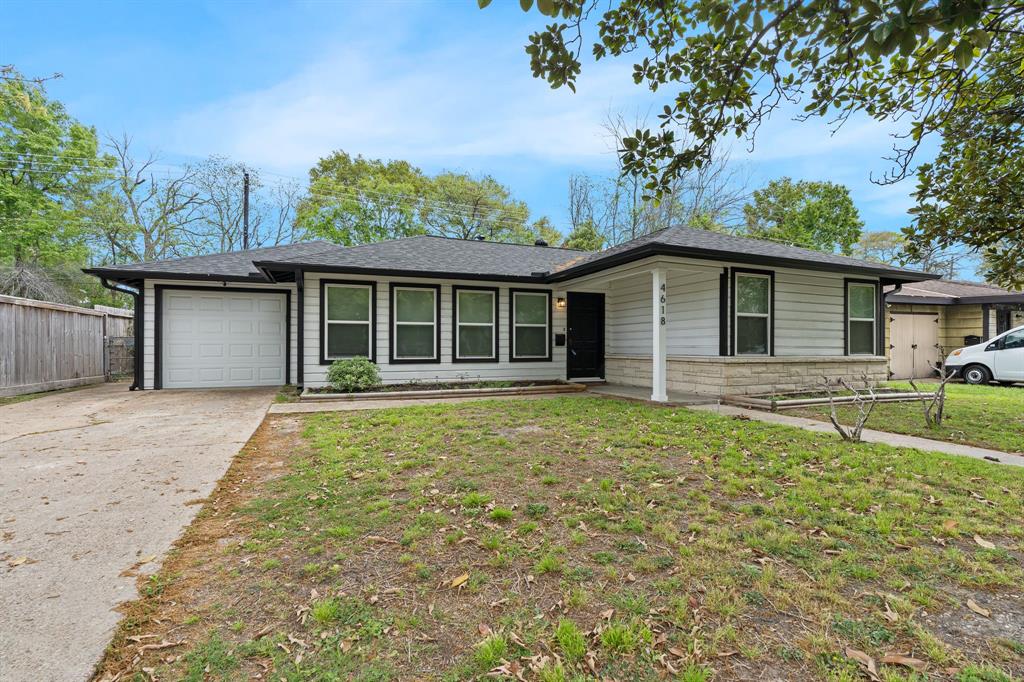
222,338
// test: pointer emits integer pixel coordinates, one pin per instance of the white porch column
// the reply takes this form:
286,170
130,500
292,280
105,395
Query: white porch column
659,355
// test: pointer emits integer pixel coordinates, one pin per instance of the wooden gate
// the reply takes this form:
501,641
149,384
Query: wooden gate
46,346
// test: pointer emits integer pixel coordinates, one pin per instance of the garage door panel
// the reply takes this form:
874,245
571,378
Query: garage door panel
270,350
211,304
246,374
212,376
179,350
228,338
179,375
210,326
270,328
173,302
211,350
271,374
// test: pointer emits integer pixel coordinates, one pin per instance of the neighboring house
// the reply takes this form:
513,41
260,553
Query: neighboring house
679,309
928,320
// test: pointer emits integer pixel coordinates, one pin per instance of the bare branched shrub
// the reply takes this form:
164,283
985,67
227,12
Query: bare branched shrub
935,408
864,400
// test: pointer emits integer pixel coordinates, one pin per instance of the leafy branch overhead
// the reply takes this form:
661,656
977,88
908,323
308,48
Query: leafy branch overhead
732,64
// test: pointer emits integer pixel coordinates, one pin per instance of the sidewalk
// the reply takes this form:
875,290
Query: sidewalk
869,435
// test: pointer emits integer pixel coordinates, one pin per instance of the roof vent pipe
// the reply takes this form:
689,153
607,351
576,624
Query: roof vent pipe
540,242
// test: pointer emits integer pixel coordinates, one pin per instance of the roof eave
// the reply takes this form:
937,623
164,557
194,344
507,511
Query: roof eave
885,274
118,274
1009,299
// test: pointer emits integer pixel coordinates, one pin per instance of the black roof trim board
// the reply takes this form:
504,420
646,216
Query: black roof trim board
952,300
130,275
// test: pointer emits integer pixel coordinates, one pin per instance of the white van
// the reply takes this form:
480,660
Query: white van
1000,359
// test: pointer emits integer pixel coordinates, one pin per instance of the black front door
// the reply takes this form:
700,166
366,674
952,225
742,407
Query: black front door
585,343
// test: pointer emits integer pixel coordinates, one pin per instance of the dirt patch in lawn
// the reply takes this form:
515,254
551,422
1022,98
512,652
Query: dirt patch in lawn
582,538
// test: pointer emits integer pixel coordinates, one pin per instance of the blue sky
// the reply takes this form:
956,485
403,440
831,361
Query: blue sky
441,84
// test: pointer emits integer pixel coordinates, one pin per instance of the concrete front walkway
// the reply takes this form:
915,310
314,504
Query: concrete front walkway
868,435
96,485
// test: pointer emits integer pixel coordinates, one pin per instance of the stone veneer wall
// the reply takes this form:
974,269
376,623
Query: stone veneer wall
744,376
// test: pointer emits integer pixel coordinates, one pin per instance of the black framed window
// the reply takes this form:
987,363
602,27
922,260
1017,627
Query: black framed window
415,323
861,318
347,320
752,319
475,324
530,324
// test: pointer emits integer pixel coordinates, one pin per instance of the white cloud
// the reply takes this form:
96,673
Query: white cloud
442,107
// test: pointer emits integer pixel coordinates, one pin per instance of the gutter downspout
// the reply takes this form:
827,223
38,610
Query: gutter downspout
137,330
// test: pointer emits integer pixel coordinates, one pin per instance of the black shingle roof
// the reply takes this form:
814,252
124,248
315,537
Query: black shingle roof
439,255
952,292
687,241
470,259
232,265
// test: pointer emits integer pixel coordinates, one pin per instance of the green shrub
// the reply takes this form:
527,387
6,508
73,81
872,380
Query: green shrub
353,375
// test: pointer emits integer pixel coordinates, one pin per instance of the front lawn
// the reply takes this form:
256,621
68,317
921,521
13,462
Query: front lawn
579,538
986,416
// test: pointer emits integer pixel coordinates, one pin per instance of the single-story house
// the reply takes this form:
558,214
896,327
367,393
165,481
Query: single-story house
679,309
927,320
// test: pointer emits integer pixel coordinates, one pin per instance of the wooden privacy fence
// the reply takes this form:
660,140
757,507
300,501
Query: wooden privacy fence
45,346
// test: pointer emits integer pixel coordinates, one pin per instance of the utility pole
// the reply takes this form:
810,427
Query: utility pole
245,210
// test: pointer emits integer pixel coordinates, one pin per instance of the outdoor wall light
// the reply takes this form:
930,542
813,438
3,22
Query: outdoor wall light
560,303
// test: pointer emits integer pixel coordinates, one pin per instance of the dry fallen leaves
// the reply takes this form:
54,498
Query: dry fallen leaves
460,580
980,610
899,659
865,661
982,542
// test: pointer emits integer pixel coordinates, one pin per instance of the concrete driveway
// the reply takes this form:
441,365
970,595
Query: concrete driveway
94,483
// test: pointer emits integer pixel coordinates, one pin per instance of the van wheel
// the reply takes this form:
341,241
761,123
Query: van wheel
976,374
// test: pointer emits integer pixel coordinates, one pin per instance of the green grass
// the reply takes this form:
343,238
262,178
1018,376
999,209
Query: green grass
719,546
986,416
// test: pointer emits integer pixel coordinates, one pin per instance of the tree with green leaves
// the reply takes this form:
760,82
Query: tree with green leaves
815,215
973,192
460,205
729,65
50,168
354,200
584,237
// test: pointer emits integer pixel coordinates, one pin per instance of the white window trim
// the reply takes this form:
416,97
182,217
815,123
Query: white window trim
398,323
546,325
873,320
766,316
493,324
368,321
